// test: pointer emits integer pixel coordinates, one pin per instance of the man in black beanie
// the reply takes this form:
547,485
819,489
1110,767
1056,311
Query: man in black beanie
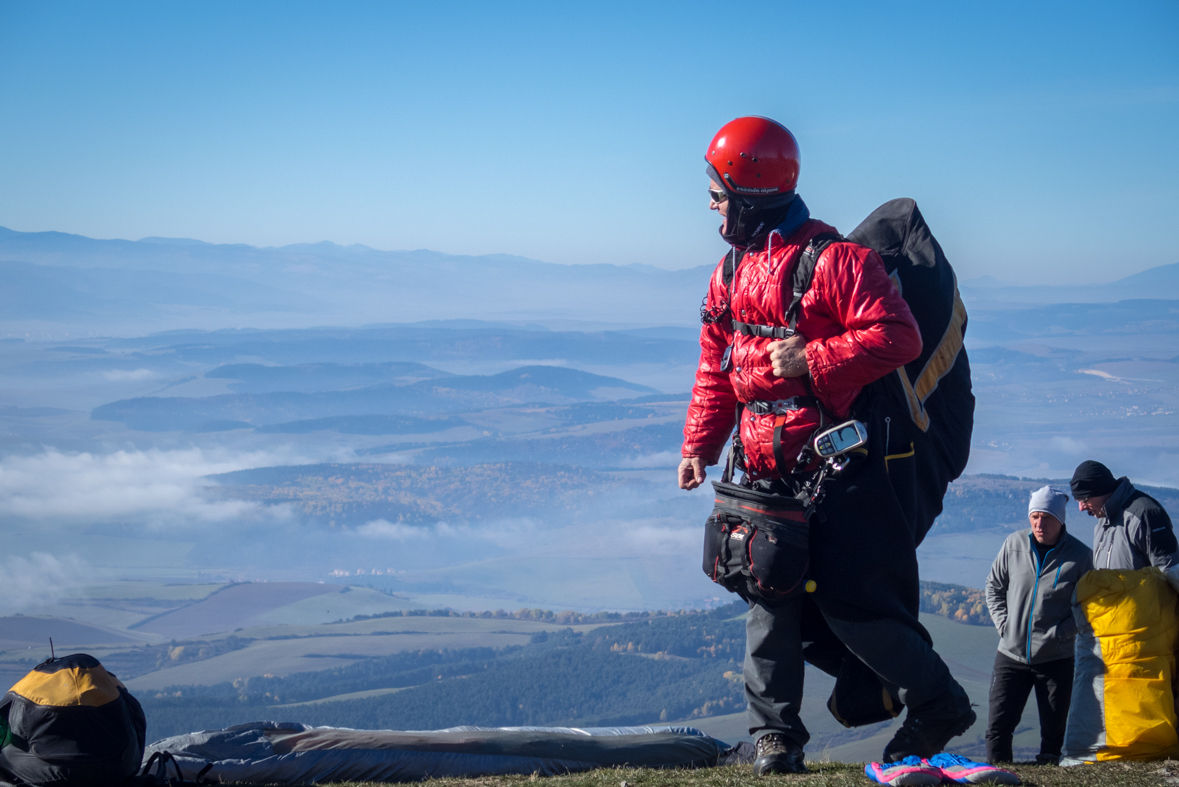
1133,531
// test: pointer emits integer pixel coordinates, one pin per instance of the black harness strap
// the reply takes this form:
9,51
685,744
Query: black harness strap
782,406
732,261
779,457
764,331
804,272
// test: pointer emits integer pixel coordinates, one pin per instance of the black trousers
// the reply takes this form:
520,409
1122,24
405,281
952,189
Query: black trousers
1011,683
774,654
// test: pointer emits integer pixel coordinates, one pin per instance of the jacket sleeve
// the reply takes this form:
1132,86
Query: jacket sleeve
1158,536
713,409
997,590
880,333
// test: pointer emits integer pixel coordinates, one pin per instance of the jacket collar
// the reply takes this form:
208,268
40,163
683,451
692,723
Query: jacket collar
1059,541
1117,501
797,215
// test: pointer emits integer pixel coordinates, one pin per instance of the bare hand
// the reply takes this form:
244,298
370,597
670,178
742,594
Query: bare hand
788,357
691,472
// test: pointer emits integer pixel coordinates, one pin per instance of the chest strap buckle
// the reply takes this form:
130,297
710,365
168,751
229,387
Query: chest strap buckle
763,331
781,406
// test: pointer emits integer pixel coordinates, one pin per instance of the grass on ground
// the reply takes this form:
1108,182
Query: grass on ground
823,774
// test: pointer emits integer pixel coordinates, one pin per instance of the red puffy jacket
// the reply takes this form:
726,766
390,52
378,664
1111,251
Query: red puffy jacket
858,329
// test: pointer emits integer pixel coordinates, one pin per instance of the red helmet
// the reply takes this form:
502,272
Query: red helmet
754,157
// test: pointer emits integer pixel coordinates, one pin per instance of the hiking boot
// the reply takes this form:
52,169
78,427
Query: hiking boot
909,772
925,737
778,754
963,770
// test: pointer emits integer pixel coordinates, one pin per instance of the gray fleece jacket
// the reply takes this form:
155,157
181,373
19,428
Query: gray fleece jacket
1031,603
1134,533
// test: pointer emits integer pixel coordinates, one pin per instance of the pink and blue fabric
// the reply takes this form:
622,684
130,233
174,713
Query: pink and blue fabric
909,772
961,770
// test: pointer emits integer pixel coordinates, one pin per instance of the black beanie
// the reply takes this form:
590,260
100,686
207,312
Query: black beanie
1092,479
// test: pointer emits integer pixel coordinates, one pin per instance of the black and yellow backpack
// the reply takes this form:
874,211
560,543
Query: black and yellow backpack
70,722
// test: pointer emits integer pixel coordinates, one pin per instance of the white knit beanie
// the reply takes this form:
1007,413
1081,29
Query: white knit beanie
1049,500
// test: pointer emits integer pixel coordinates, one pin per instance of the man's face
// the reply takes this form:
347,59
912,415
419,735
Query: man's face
1045,527
721,207
1093,506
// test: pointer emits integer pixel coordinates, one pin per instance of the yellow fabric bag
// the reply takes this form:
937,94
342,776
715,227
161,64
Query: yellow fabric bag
1123,705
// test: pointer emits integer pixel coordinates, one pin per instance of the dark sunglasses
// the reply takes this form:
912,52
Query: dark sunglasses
717,196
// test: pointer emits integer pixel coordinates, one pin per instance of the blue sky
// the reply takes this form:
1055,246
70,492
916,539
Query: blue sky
1039,139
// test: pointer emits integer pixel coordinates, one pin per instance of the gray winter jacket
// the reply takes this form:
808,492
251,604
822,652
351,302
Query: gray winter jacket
1134,533
1032,605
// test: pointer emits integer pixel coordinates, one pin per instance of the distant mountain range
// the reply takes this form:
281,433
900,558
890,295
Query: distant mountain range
57,283
120,286
1161,281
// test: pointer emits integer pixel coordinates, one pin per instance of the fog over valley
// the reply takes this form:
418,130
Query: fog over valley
442,457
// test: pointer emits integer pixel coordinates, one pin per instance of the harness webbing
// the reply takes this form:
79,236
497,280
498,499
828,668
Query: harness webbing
801,275
764,331
781,406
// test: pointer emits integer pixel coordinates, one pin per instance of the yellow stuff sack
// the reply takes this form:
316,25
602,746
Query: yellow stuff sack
1123,703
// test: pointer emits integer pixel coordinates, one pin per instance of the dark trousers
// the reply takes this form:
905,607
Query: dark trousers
1011,683
905,663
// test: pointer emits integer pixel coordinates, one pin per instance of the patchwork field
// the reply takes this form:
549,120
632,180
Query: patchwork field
307,632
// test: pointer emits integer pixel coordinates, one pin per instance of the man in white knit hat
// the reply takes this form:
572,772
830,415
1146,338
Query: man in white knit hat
1029,594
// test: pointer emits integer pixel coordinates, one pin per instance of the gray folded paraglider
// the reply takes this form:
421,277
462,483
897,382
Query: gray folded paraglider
286,753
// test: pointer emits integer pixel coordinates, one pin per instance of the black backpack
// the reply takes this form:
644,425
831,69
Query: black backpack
70,722
927,406
925,410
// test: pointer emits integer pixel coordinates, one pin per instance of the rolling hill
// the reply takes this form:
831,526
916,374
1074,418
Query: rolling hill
446,394
359,493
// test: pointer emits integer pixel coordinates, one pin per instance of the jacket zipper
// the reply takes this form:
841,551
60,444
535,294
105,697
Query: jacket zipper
1035,590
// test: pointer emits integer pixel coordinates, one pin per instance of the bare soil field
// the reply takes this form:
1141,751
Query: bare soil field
232,607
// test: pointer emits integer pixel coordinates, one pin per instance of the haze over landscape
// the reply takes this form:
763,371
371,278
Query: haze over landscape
264,474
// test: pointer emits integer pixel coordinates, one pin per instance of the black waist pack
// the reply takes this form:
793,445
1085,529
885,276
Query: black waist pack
757,544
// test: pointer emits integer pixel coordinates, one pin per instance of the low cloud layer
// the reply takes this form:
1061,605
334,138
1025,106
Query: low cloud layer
40,580
129,375
149,515
146,487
